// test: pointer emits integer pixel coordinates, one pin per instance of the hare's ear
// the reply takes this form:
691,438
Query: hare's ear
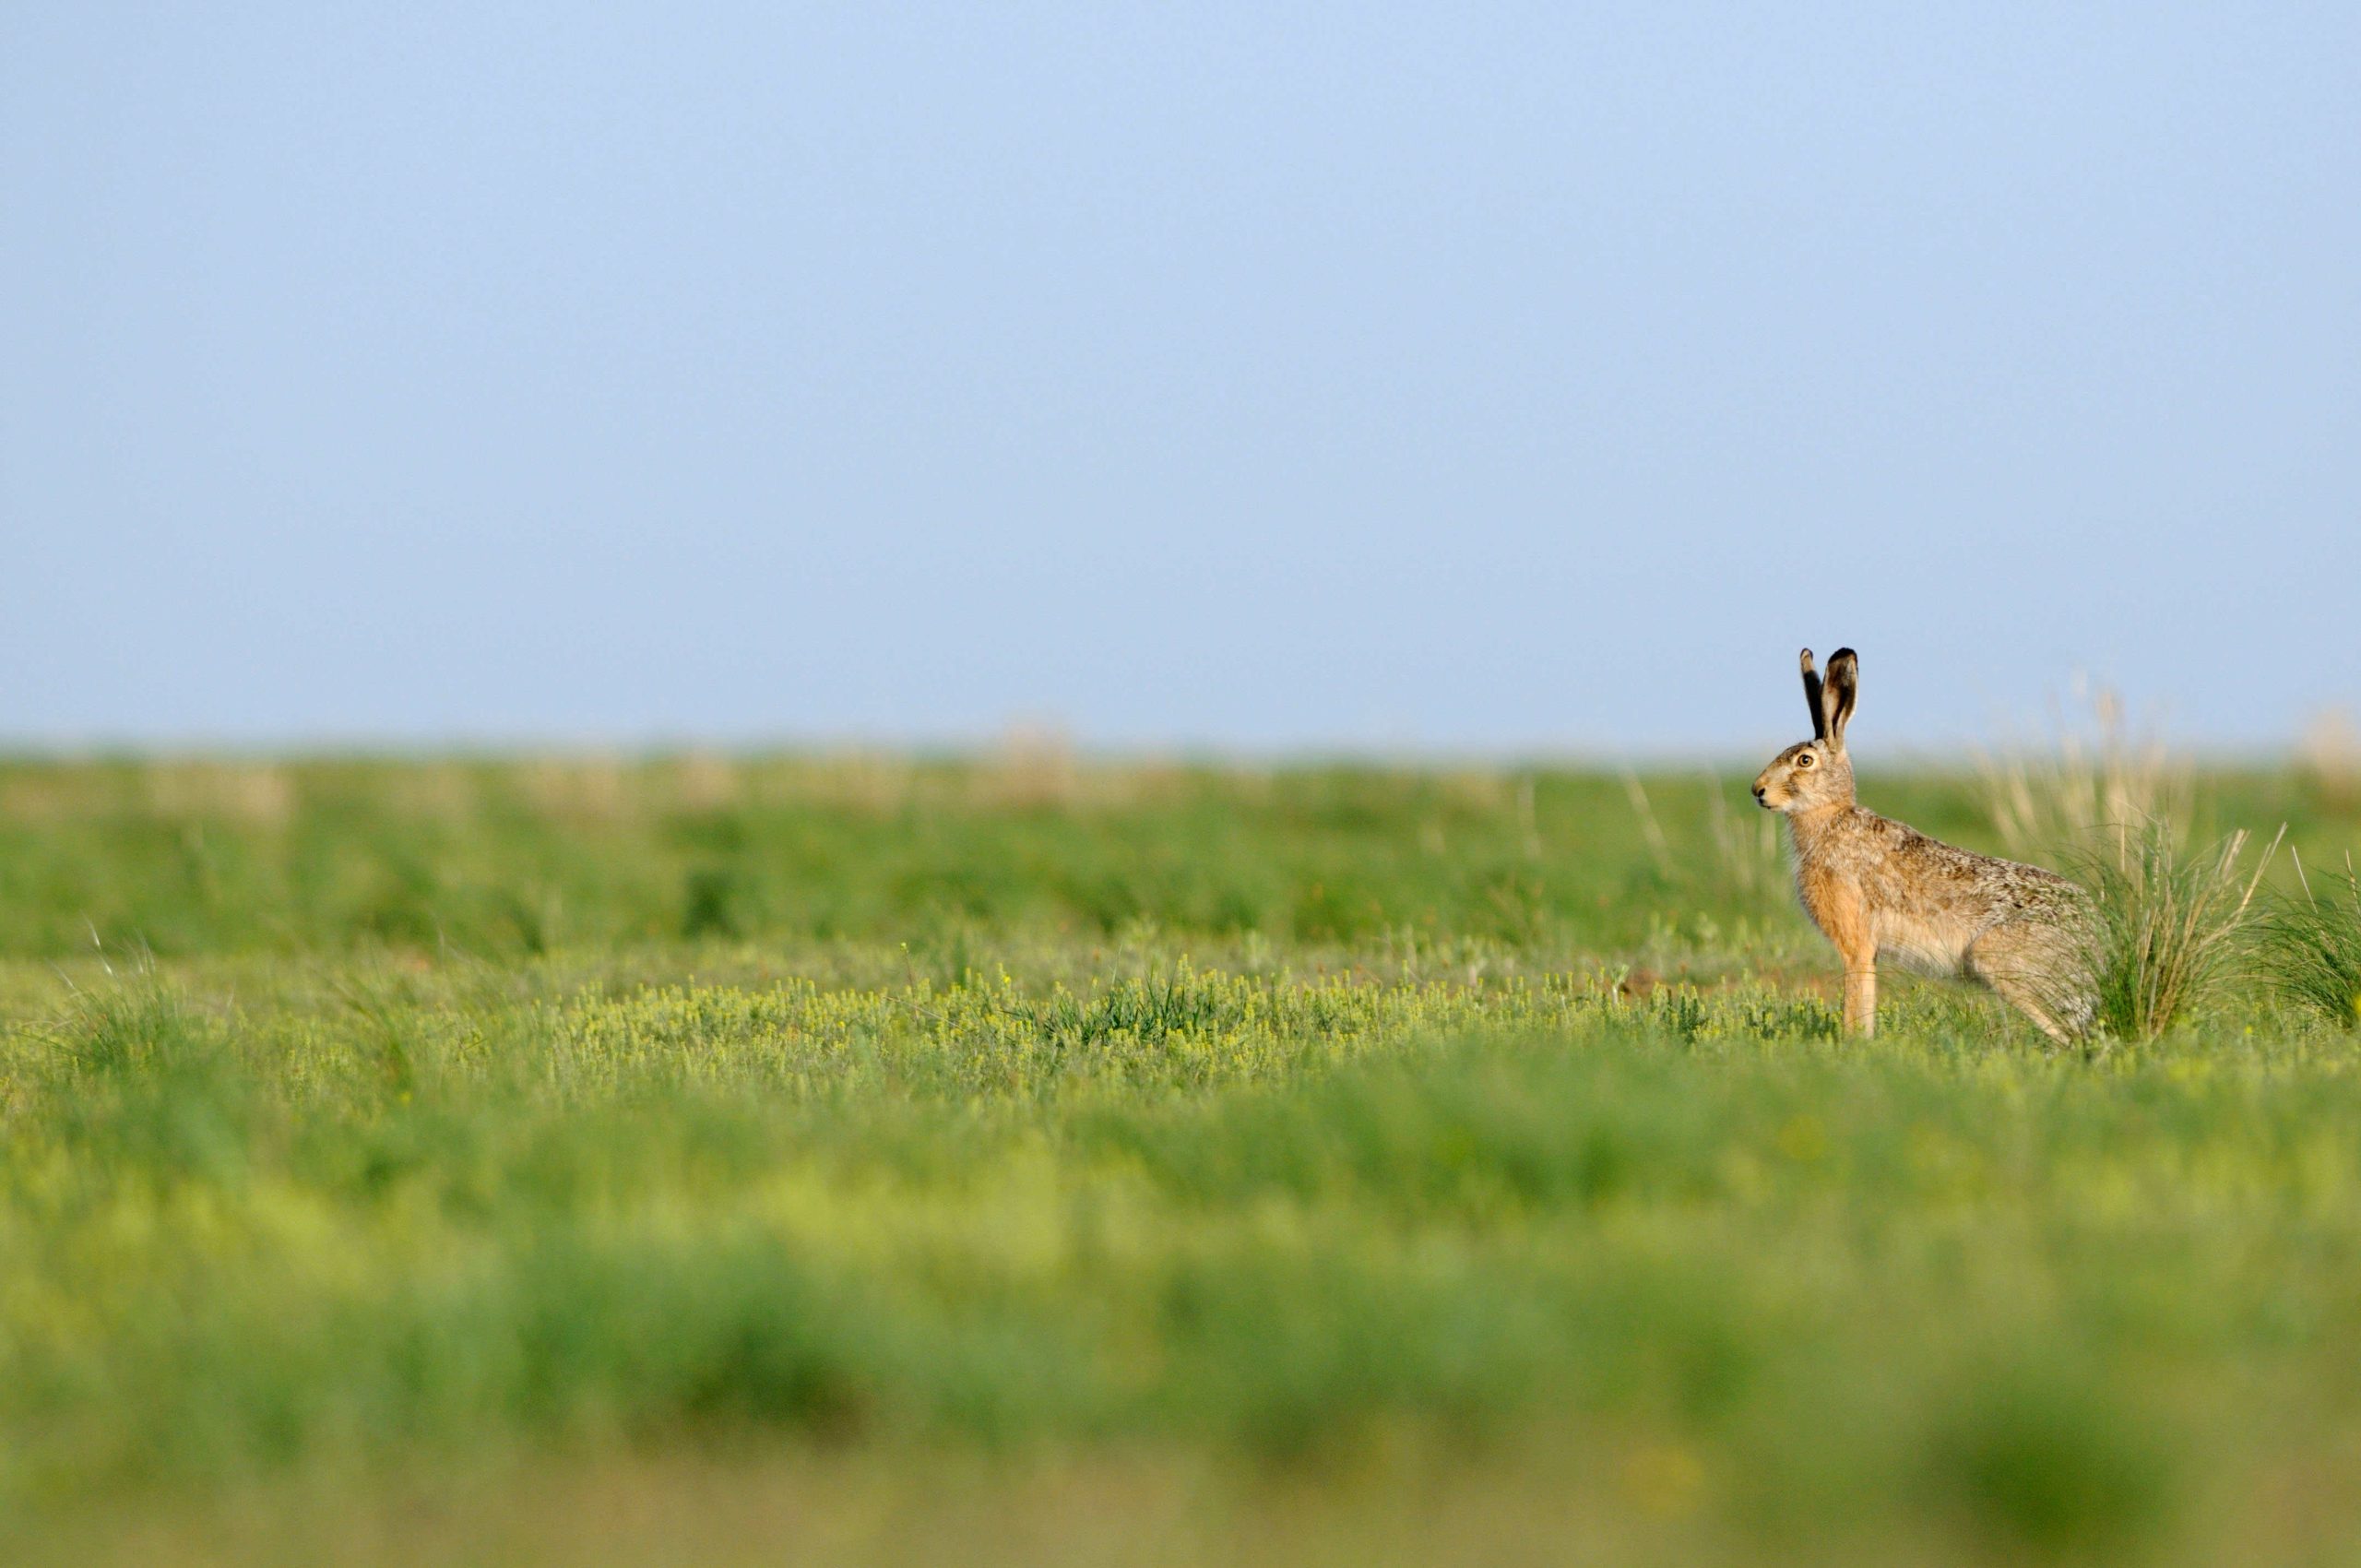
1811,699
1843,685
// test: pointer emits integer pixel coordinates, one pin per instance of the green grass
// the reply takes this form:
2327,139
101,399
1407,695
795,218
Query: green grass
2310,947
683,1160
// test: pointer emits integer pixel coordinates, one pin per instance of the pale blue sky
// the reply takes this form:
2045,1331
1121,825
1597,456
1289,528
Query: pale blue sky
1510,378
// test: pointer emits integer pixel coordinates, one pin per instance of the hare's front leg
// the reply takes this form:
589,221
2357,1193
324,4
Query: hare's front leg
1852,932
1862,994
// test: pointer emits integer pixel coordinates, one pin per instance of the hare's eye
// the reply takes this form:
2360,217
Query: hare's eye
1804,761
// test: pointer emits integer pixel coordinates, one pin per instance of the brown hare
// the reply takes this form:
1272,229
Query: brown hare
1876,888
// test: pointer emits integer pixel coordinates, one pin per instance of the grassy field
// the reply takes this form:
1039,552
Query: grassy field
1016,1159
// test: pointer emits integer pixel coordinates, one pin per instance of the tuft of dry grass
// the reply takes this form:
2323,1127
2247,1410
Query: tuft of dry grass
2167,926
2311,950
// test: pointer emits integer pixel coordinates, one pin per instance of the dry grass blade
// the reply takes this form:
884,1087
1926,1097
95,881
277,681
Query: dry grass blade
1747,857
2095,776
1651,830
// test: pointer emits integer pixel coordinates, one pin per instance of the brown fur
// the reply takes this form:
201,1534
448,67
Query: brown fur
1876,888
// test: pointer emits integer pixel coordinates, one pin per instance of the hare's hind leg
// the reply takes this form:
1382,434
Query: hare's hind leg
2017,962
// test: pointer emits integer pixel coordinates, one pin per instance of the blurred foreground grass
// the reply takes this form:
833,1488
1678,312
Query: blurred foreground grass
1016,1160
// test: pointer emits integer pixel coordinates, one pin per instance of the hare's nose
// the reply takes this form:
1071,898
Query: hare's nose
1758,792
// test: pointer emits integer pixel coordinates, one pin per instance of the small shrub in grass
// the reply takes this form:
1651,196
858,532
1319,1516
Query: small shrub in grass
2166,925
2311,949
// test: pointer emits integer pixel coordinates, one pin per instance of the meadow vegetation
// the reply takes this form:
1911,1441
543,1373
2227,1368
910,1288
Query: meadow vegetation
1020,1158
